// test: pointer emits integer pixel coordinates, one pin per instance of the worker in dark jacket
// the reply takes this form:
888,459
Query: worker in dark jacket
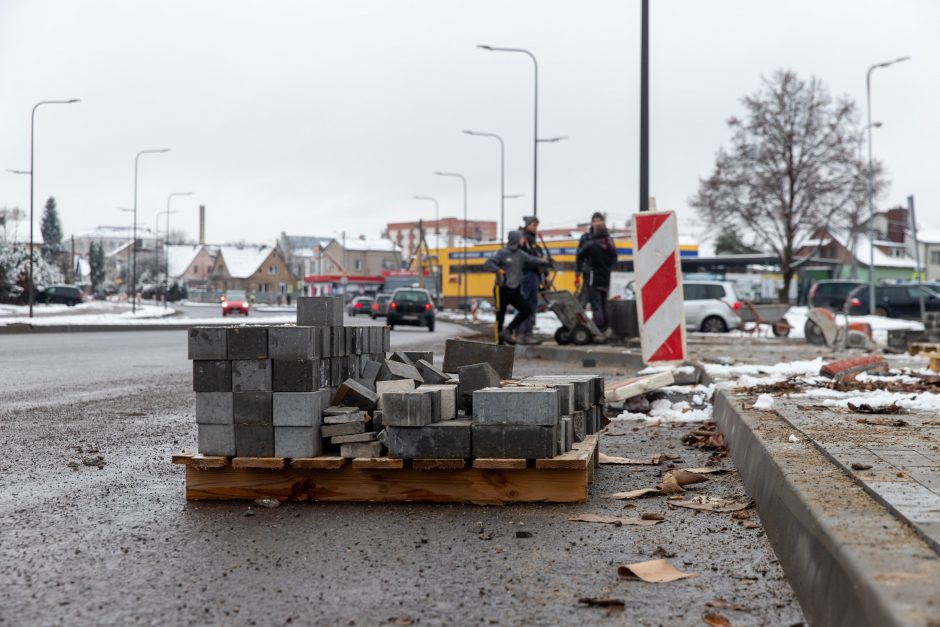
509,263
597,255
532,279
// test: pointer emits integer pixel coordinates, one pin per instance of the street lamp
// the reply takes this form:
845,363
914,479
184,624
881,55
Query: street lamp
166,243
124,276
465,276
502,179
535,135
871,200
32,170
134,241
437,208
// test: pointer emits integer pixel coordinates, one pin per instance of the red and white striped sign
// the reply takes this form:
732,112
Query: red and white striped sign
658,280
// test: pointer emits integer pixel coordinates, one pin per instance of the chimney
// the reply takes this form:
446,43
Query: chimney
202,225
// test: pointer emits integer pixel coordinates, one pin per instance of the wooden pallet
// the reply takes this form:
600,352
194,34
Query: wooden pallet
561,479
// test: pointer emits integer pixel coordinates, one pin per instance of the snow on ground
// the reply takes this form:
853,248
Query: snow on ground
920,401
796,317
664,410
546,323
111,314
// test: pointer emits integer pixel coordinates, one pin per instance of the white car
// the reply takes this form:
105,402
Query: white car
711,306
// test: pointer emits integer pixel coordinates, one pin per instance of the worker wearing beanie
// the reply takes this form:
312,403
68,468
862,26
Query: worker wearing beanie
509,263
597,255
532,279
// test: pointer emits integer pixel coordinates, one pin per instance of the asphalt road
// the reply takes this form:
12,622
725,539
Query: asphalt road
119,545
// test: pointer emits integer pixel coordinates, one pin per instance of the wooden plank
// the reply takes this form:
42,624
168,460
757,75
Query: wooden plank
622,390
573,460
465,485
325,462
200,461
378,462
268,463
499,464
438,464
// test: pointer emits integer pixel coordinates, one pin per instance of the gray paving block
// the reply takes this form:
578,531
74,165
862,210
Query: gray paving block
320,311
578,426
324,373
297,409
369,436
361,449
514,441
448,398
254,440
295,375
471,378
516,406
569,432
441,440
326,340
336,414
214,408
396,385
345,428
561,437
207,343
212,376
436,408
251,375
377,421
293,442
247,342
337,370
430,373
566,390
353,394
386,339
583,388
459,353
216,439
370,370
407,409
253,408
337,341
293,343
402,358
398,370
416,356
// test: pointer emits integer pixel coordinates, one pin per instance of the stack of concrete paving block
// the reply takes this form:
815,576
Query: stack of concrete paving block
262,390
587,400
422,424
520,422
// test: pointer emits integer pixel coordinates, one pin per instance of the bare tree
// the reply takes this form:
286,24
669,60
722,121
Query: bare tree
854,217
790,169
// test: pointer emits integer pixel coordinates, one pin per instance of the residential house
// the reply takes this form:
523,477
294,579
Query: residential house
300,252
258,270
929,244
846,254
190,264
362,263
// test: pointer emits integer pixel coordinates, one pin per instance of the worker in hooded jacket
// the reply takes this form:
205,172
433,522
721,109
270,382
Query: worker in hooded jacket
509,263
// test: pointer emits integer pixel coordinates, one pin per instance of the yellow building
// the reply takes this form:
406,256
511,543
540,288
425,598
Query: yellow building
480,282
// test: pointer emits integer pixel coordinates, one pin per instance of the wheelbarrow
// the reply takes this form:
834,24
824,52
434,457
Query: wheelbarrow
576,327
769,313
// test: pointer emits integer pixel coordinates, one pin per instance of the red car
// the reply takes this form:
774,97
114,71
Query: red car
234,302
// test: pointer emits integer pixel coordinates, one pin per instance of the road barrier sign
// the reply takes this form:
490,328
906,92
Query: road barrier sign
661,310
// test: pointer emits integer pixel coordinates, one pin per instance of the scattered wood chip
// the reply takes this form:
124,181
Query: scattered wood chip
811,407
608,603
722,604
709,504
653,571
865,408
660,552
613,459
652,516
634,494
716,620
749,524
613,520
858,466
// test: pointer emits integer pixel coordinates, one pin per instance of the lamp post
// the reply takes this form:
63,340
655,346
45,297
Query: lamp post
535,134
464,278
871,199
32,170
502,180
437,208
166,241
133,293
129,229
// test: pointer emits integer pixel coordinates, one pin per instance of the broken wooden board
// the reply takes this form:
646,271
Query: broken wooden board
622,390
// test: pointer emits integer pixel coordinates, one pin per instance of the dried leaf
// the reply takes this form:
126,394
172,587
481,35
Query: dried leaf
709,504
613,520
865,408
652,516
653,571
716,620
749,524
634,494
858,466
670,485
685,477
884,422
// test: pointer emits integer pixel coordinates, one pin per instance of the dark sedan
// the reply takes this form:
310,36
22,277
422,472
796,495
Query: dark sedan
893,301
411,306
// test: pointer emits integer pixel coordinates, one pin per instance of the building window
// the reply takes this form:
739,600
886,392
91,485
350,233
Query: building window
272,269
358,264
935,257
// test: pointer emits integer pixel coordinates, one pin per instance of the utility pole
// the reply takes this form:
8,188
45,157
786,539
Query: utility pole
645,106
920,274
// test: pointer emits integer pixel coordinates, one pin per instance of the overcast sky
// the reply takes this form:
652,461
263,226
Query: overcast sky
313,117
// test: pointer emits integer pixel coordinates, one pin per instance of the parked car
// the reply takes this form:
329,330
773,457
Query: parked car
380,305
711,306
12,294
900,300
359,305
60,295
831,293
411,306
235,301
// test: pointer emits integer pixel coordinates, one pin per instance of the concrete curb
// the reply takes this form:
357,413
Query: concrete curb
848,559
602,356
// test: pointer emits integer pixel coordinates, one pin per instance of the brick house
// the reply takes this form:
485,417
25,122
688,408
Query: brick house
260,270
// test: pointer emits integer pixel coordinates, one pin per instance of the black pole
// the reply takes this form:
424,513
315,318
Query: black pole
645,107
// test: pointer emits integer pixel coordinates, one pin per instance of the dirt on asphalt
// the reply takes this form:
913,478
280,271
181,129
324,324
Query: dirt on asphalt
94,529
